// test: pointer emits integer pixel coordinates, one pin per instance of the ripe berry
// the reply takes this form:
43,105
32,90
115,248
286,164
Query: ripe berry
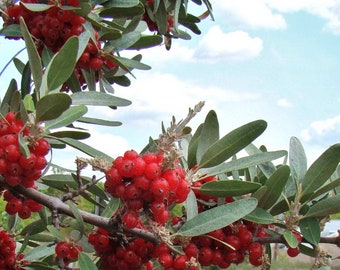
293,252
62,249
96,63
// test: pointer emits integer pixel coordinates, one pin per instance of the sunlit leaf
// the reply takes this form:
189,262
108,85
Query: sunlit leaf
229,188
275,184
62,64
98,99
146,42
72,114
260,216
33,55
217,217
39,252
232,143
209,134
55,232
325,207
321,169
191,205
297,159
310,230
290,239
52,106
102,122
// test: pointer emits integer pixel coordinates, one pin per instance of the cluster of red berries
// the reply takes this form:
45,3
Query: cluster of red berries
54,26
15,167
116,254
8,258
68,251
20,205
144,186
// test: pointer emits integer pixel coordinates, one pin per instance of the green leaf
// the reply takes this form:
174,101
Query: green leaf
35,227
261,192
98,99
297,159
209,134
244,162
72,114
36,7
62,64
25,81
125,41
38,266
310,229
52,106
12,88
275,184
12,30
96,121
290,239
23,146
85,263
40,252
192,148
232,143
325,207
191,205
55,232
111,208
78,217
77,135
33,55
321,169
326,188
85,148
146,42
130,63
217,217
260,216
229,188
122,12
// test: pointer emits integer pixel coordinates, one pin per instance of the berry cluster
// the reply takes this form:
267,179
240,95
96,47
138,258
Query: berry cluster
15,167
54,26
68,251
8,258
142,183
133,255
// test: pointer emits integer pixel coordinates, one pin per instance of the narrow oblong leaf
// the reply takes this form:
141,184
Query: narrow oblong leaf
33,55
72,114
85,148
98,99
78,135
62,64
209,134
244,162
96,121
297,159
192,148
85,262
111,208
78,217
310,229
217,217
229,188
191,205
260,216
319,172
290,239
325,207
275,184
40,252
232,143
52,106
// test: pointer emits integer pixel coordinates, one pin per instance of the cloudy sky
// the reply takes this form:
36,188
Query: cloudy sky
277,60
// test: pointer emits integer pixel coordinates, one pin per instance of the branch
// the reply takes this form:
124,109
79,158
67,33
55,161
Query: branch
55,204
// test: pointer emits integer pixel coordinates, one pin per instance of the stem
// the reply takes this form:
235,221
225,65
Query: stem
56,204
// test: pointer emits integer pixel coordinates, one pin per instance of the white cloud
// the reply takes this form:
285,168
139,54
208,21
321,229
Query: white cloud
249,13
217,46
323,131
285,103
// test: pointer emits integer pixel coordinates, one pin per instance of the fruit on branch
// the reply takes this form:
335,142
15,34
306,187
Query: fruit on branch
68,250
16,167
145,187
51,28
8,257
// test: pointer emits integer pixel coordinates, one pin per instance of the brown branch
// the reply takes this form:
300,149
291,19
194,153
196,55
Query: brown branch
55,204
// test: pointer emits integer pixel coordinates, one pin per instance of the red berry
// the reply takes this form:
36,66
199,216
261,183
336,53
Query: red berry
96,63
293,252
62,249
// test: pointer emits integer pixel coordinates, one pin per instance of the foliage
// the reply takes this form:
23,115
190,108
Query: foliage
186,187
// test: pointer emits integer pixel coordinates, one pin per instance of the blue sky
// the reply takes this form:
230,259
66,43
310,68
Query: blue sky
274,60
